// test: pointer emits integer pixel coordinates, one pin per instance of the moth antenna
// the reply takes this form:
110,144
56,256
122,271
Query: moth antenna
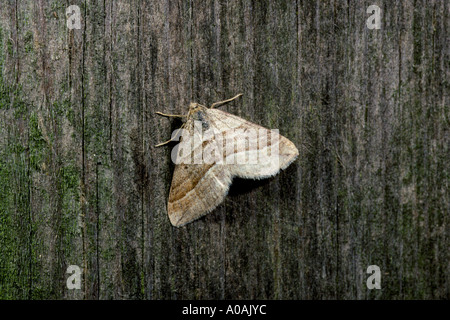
225,101
170,115
163,143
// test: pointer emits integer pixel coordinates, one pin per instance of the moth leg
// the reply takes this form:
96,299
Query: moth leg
225,101
171,139
163,143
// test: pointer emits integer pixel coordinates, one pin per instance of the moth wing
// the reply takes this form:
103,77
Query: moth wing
196,189
262,152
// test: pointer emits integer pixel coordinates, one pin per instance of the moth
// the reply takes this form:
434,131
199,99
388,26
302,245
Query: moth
199,186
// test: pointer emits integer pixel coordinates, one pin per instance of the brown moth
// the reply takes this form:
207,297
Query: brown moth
199,187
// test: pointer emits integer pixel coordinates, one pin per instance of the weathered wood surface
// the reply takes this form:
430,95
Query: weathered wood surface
81,184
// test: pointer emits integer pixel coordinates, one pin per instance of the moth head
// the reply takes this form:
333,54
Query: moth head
193,108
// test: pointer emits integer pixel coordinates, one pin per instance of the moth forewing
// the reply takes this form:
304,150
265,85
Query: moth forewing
198,143
181,153
246,149
268,150
212,147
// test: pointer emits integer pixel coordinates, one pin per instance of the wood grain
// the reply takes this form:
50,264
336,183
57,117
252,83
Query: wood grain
81,184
